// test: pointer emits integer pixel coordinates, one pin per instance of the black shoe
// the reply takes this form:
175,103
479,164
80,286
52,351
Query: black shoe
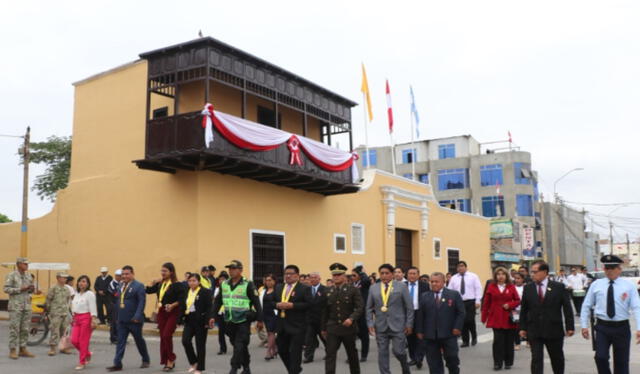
221,352
246,371
474,342
507,367
464,345
307,360
362,359
412,363
497,367
114,368
233,371
144,365
419,364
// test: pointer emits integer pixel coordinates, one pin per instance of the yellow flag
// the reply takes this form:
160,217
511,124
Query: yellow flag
365,91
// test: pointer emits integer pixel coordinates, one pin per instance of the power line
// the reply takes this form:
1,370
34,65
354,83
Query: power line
605,204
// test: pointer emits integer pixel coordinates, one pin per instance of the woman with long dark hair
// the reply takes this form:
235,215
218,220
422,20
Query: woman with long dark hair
198,317
269,315
170,293
500,299
85,314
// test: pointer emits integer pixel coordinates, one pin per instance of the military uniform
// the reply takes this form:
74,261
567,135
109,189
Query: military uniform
343,302
19,309
57,306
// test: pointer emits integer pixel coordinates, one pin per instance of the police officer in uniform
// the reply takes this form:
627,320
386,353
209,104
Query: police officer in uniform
19,286
339,319
241,306
57,307
612,299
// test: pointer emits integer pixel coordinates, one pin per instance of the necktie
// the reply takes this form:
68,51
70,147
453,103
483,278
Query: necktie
540,293
315,290
462,287
412,291
611,304
386,287
438,298
288,288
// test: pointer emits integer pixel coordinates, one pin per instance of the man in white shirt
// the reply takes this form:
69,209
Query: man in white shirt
576,284
468,285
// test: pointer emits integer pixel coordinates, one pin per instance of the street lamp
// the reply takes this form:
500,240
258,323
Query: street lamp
555,194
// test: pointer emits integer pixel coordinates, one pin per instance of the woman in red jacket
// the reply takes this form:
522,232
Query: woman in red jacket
500,299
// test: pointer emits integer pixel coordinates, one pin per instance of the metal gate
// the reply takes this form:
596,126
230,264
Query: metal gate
268,256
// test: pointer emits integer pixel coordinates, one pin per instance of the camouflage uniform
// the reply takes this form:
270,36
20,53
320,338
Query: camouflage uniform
19,308
58,311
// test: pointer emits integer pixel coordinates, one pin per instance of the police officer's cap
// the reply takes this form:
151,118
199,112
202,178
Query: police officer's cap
235,264
611,260
337,268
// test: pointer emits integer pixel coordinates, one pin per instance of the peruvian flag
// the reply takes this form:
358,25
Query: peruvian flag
510,139
389,109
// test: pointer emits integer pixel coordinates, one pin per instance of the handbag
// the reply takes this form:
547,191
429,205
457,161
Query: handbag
65,343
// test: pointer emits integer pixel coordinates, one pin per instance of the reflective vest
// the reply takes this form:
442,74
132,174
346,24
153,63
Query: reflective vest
236,303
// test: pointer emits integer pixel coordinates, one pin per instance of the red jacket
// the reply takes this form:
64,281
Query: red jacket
493,312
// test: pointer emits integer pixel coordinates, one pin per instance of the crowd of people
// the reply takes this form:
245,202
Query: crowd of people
417,317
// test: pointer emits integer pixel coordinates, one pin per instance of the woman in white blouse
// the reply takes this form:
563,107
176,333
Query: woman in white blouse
518,280
83,307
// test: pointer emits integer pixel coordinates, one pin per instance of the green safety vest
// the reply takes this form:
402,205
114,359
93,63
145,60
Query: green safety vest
236,303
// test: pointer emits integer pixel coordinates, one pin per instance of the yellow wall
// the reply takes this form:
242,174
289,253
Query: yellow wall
113,213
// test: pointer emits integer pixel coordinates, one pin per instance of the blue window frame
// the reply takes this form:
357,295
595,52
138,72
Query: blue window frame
453,179
463,205
490,206
536,192
408,156
424,178
446,151
524,205
522,172
490,175
408,175
373,157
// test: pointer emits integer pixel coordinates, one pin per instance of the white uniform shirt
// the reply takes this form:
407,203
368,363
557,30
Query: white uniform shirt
576,282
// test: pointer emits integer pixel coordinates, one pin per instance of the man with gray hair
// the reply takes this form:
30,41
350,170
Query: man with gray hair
318,302
439,322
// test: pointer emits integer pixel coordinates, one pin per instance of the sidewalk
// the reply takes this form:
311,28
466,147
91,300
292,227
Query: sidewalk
149,329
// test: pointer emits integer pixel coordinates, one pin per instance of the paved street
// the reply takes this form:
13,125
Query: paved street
476,360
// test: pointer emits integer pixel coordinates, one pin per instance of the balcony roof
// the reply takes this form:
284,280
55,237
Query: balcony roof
209,41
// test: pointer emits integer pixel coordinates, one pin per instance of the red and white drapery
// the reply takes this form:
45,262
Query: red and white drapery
256,137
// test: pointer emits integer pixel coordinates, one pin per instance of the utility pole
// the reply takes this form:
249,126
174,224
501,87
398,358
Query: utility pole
610,237
25,194
628,250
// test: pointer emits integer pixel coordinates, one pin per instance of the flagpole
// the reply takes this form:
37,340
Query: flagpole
366,130
393,154
413,145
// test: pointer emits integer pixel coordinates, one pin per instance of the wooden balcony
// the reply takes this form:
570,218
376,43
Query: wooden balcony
177,142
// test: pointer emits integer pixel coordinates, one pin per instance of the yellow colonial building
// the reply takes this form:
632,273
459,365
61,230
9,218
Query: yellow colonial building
156,178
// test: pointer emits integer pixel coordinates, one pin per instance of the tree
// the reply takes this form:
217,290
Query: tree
4,219
55,152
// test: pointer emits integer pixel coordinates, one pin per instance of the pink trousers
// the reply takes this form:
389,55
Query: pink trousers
81,335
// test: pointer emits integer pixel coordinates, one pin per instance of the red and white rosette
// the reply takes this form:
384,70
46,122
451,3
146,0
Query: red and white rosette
256,137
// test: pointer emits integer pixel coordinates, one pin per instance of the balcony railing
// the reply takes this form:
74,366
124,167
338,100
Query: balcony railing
177,142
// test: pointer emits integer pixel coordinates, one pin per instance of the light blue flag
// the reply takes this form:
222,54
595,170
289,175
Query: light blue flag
414,113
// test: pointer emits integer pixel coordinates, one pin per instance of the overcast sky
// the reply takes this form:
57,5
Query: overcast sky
562,76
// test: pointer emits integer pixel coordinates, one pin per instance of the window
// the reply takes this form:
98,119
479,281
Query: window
463,205
493,206
453,257
453,179
522,173
490,175
357,238
161,112
267,254
536,192
436,248
373,157
339,243
408,175
424,178
266,116
408,156
524,205
447,151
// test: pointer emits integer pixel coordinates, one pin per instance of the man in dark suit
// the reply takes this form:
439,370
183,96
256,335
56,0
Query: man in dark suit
130,318
362,282
103,297
293,300
318,302
114,291
416,288
439,322
542,306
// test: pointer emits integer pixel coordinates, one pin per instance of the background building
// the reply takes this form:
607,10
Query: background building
565,236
